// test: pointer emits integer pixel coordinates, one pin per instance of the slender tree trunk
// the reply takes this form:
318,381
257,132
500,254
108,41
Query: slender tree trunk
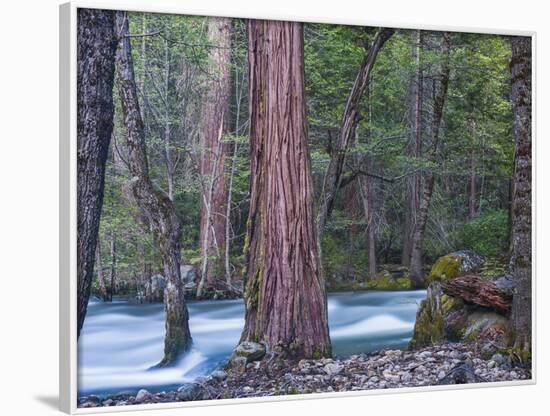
520,260
472,182
167,127
100,275
113,266
472,187
350,118
157,209
285,295
417,263
414,149
367,195
215,125
238,100
96,44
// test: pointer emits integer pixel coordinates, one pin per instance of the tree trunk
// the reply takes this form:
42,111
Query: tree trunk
100,275
479,291
367,194
96,43
238,100
167,125
414,149
158,211
520,260
350,119
113,266
417,263
215,125
472,188
285,295
472,183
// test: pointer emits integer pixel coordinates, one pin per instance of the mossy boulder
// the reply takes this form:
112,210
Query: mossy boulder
385,280
454,264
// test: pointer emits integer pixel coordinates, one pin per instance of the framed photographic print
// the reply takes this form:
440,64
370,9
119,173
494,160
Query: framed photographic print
256,209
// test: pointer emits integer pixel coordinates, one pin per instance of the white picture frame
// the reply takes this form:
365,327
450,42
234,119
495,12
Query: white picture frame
67,202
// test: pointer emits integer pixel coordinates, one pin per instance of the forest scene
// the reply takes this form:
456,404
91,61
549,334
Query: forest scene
273,208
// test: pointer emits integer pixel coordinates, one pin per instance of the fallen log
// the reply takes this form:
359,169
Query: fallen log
479,291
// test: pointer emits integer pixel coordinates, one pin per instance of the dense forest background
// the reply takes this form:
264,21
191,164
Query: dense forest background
391,153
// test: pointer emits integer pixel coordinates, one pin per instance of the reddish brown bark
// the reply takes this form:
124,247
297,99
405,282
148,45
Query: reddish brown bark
215,151
285,292
96,44
520,260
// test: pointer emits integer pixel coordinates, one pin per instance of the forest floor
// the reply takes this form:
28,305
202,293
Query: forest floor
442,364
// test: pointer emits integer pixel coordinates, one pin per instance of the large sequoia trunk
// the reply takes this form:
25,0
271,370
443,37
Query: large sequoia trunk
417,263
520,261
95,74
156,208
350,118
215,151
285,291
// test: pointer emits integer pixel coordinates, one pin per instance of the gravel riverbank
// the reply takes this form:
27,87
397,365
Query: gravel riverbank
447,363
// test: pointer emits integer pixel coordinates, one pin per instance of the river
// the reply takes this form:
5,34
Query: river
120,341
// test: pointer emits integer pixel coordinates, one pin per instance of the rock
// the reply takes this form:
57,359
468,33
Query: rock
441,375
406,377
506,285
498,359
247,389
237,364
108,402
219,375
453,265
93,398
332,369
190,392
385,280
154,288
462,374
479,322
187,273
252,351
142,396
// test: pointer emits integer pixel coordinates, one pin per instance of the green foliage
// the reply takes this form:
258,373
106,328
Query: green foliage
487,234
172,66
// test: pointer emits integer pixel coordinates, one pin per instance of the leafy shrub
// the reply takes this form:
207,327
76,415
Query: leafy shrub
487,234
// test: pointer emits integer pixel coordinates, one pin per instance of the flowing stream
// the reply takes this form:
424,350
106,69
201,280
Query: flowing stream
120,341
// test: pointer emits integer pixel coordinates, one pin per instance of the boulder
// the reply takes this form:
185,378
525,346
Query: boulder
386,280
252,351
154,288
332,369
466,308
143,396
187,273
454,264
219,375
190,392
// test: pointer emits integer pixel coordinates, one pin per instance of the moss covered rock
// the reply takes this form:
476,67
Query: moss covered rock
454,264
385,280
